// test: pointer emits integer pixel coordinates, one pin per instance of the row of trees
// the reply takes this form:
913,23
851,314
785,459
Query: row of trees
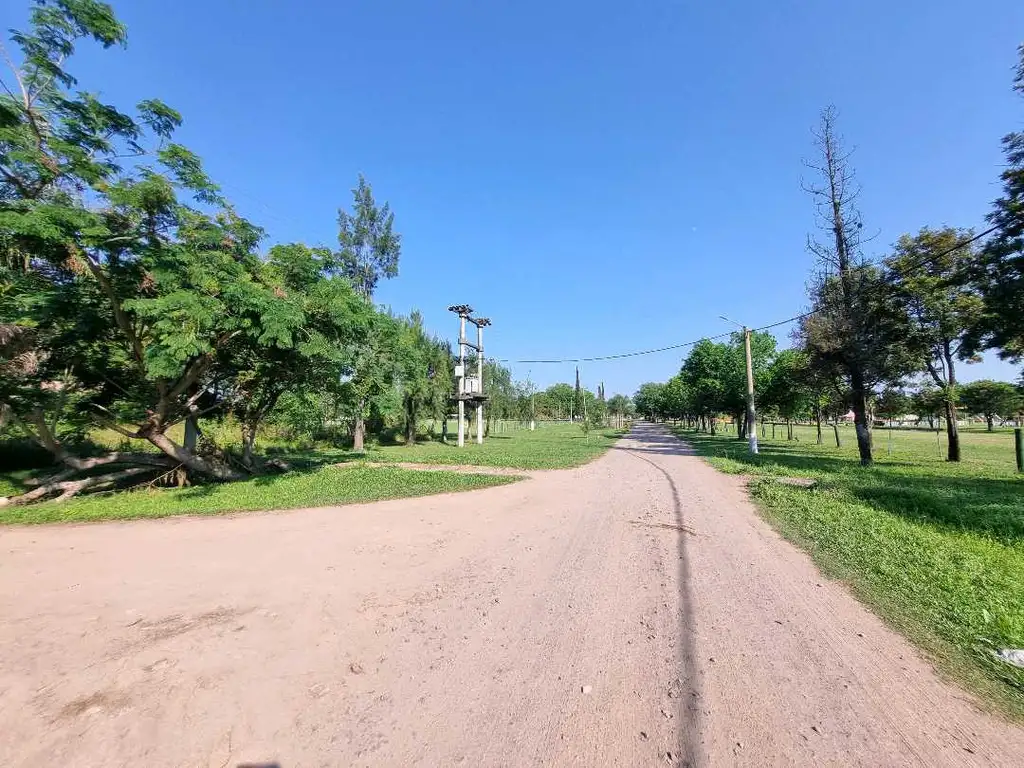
134,297
712,383
939,299
523,402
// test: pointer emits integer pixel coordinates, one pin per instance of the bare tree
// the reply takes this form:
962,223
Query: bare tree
855,323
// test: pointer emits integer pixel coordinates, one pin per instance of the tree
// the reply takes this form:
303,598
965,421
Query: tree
1001,274
647,399
785,390
620,406
130,291
927,272
854,328
892,402
990,399
928,402
374,372
369,248
328,320
706,373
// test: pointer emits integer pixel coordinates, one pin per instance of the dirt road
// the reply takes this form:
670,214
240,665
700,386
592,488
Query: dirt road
635,611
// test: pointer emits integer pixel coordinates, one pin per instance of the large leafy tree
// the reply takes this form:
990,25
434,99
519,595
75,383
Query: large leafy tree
990,399
857,339
326,321
368,252
647,399
1001,277
708,372
927,271
786,391
128,290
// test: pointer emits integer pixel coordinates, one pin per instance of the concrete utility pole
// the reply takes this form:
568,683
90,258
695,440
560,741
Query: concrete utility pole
480,378
466,388
751,414
460,374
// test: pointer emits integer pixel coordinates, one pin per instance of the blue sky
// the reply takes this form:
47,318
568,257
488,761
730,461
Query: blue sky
596,177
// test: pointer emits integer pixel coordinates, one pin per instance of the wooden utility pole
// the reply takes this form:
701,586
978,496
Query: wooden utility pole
751,414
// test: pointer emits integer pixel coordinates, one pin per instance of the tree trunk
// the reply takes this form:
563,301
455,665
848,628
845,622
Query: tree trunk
860,420
190,460
359,429
444,430
789,429
741,426
817,420
248,442
410,422
989,422
835,427
952,432
192,433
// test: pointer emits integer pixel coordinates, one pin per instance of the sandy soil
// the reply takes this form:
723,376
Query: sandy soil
635,611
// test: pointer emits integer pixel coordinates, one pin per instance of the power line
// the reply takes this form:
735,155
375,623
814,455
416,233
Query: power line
921,263
621,354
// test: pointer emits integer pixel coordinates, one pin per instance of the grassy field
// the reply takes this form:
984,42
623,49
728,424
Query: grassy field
937,549
319,487
550,446
315,482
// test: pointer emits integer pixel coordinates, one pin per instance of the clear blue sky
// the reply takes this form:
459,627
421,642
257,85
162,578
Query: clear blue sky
595,176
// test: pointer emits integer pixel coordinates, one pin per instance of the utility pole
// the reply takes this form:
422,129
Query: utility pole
466,389
480,376
751,413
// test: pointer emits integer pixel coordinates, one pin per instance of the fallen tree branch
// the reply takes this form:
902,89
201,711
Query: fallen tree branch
69,488
76,465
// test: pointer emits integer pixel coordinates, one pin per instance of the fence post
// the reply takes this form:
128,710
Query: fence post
1018,439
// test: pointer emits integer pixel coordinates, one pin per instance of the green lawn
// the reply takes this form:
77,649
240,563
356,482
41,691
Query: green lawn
316,482
937,549
550,446
320,487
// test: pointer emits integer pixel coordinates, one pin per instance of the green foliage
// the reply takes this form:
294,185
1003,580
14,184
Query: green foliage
787,391
892,402
990,399
927,273
620,405
369,248
647,399
1001,274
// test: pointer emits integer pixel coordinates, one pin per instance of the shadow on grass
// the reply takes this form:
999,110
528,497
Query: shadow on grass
985,505
958,502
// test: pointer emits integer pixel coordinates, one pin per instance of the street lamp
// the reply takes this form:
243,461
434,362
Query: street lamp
751,414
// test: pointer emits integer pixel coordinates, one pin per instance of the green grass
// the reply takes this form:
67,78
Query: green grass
937,549
320,487
550,446
315,482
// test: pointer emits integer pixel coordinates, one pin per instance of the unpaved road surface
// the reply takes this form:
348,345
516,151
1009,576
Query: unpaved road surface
635,611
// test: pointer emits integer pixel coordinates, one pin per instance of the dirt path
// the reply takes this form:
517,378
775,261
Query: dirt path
631,612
